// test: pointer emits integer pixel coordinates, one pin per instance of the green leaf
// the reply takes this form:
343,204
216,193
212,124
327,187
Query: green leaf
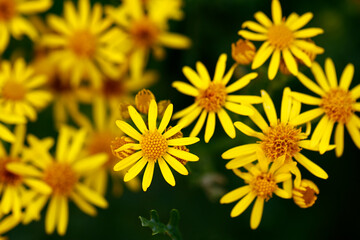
171,229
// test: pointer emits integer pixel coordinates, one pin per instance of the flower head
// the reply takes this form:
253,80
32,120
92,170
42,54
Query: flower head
213,97
243,51
154,145
262,182
305,195
281,139
281,38
336,104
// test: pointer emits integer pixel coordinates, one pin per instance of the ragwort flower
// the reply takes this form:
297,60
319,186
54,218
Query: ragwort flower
337,105
155,145
212,97
282,38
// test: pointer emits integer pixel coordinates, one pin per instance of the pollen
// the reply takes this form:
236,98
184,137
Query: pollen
153,145
144,33
280,140
7,9
13,91
280,36
213,98
264,185
6,176
306,195
338,105
143,99
243,51
61,178
83,44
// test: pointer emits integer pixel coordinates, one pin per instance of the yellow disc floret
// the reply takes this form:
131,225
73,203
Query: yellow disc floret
61,178
280,140
338,105
264,185
153,145
280,36
213,98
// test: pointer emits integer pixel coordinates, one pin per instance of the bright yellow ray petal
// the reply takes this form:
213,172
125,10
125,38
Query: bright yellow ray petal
194,78
290,62
276,12
199,124
308,33
129,130
286,105
269,108
243,204
52,215
166,172
253,26
274,64
182,141
347,76
210,126
355,92
263,19
253,36
248,131
320,76
174,40
152,116
310,84
62,144
310,166
183,154
63,216
166,118
304,98
90,163
135,170
301,55
325,139
306,45
239,109
185,111
301,21
339,139
82,204
240,151
319,131
128,161
262,55
172,131
241,82
331,73
235,194
244,99
77,145
354,132
203,72
148,175
226,123
175,164
256,213
306,116
282,193
220,68
137,119
241,161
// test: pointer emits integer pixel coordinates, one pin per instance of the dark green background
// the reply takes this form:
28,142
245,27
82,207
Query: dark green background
213,26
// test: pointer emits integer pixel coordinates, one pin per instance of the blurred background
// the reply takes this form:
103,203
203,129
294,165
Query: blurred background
213,26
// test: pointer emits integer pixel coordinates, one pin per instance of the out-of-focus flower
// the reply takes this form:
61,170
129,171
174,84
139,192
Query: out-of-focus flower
20,90
164,10
144,31
83,43
281,38
243,51
281,139
143,99
305,195
337,104
212,97
262,181
154,145
63,174
12,182
12,21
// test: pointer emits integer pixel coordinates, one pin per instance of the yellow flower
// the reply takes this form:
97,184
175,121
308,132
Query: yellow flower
281,36
336,104
12,20
63,173
20,90
262,181
83,43
12,189
212,97
154,145
7,223
144,31
102,133
305,195
243,51
281,139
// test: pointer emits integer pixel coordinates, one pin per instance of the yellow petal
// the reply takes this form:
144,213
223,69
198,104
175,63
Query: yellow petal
310,166
137,119
129,130
262,55
199,124
290,62
307,116
239,109
325,140
263,19
182,141
210,126
226,123
183,154
135,170
252,36
128,161
308,33
301,21
242,82
91,196
339,139
166,118
240,151
310,84
175,164
148,175
347,76
235,194
152,116
253,26
166,172
320,76
274,64
331,72
269,108
276,12
256,213
220,68
242,205
52,215
248,131
63,216
174,40
304,98
241,161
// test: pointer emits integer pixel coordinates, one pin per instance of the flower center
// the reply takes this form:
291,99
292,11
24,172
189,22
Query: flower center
264,185
338,105
7,9
6,176
213,98
61,178
13,91
280,36
280,140
83,44
153,145
144,32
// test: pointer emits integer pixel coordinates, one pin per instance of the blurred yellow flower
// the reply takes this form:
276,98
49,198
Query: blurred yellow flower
212,97
21,90
7,223
262,181
13,22
281,139
154,145
281,37
145,31
337,104
83,43
63,173
12,189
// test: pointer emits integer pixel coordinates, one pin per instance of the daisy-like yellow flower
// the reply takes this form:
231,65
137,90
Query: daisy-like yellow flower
282,38
102,134
144,31
13,22
7,223
282,138
262,181
305,195
63,174
155,145
84,43
336,104
21,90
212,98
12,184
